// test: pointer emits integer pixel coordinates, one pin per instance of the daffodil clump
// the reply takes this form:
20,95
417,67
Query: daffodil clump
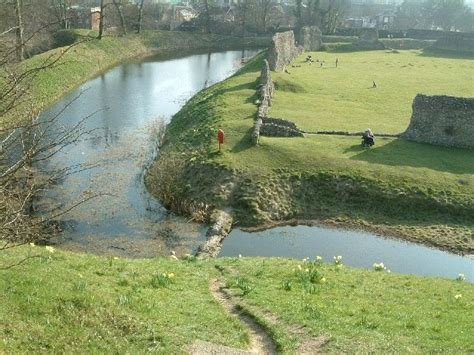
162,280
380,267
308,274
338,262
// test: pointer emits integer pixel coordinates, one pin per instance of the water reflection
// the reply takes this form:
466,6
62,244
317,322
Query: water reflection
127,102
358,249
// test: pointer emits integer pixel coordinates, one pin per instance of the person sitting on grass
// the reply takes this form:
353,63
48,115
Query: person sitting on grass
368,138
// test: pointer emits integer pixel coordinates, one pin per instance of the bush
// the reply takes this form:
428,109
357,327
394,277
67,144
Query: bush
64,38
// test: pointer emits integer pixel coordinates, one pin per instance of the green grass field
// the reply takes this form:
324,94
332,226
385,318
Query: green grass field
342,98
423,192
65,302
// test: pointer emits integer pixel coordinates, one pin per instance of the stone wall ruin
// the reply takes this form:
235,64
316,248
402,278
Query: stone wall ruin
369,39
283,50
310,38
442,120
264,125
278,127
265,93
456,41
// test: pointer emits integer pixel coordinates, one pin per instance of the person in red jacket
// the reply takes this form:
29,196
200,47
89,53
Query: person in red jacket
220,137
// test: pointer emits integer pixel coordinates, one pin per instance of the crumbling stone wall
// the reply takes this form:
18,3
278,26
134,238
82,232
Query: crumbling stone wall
310,38
456,41
277,127
442,120
265,91
264,125
369,39
283,50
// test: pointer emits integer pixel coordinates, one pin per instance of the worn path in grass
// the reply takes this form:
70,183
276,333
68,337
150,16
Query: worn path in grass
62,302
260,341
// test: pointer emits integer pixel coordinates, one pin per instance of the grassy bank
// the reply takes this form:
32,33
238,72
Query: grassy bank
416,191
88,57
65,302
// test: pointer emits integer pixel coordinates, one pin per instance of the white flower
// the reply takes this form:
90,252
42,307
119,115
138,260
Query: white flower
50,249
461,277
458,296
379,267
32,245
318,258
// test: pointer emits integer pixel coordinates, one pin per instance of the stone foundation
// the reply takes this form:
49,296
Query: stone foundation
277,127
442,120
217,232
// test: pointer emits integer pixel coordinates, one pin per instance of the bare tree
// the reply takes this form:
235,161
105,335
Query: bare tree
20,43
25,142
101,19
207,16
299,14
140,16
264,7
243,7
118,7
327,14
61,12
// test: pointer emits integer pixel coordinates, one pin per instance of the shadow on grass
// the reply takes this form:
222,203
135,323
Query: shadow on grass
401,153
245,143
244,86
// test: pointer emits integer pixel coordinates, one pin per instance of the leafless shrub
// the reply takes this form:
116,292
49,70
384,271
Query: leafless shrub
25,142
165,182
158,131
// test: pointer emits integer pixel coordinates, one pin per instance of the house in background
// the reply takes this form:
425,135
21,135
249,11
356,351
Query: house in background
360,22
95,18
385,20
183,16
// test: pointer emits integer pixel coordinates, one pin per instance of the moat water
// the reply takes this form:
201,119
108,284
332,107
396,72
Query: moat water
359,249
125,106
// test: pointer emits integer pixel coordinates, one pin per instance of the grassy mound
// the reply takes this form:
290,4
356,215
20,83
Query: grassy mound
64,302
417,191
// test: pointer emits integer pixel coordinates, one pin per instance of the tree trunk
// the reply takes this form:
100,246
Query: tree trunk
122,20
20,45
298,15
140,16
208,16
243,14
101,20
